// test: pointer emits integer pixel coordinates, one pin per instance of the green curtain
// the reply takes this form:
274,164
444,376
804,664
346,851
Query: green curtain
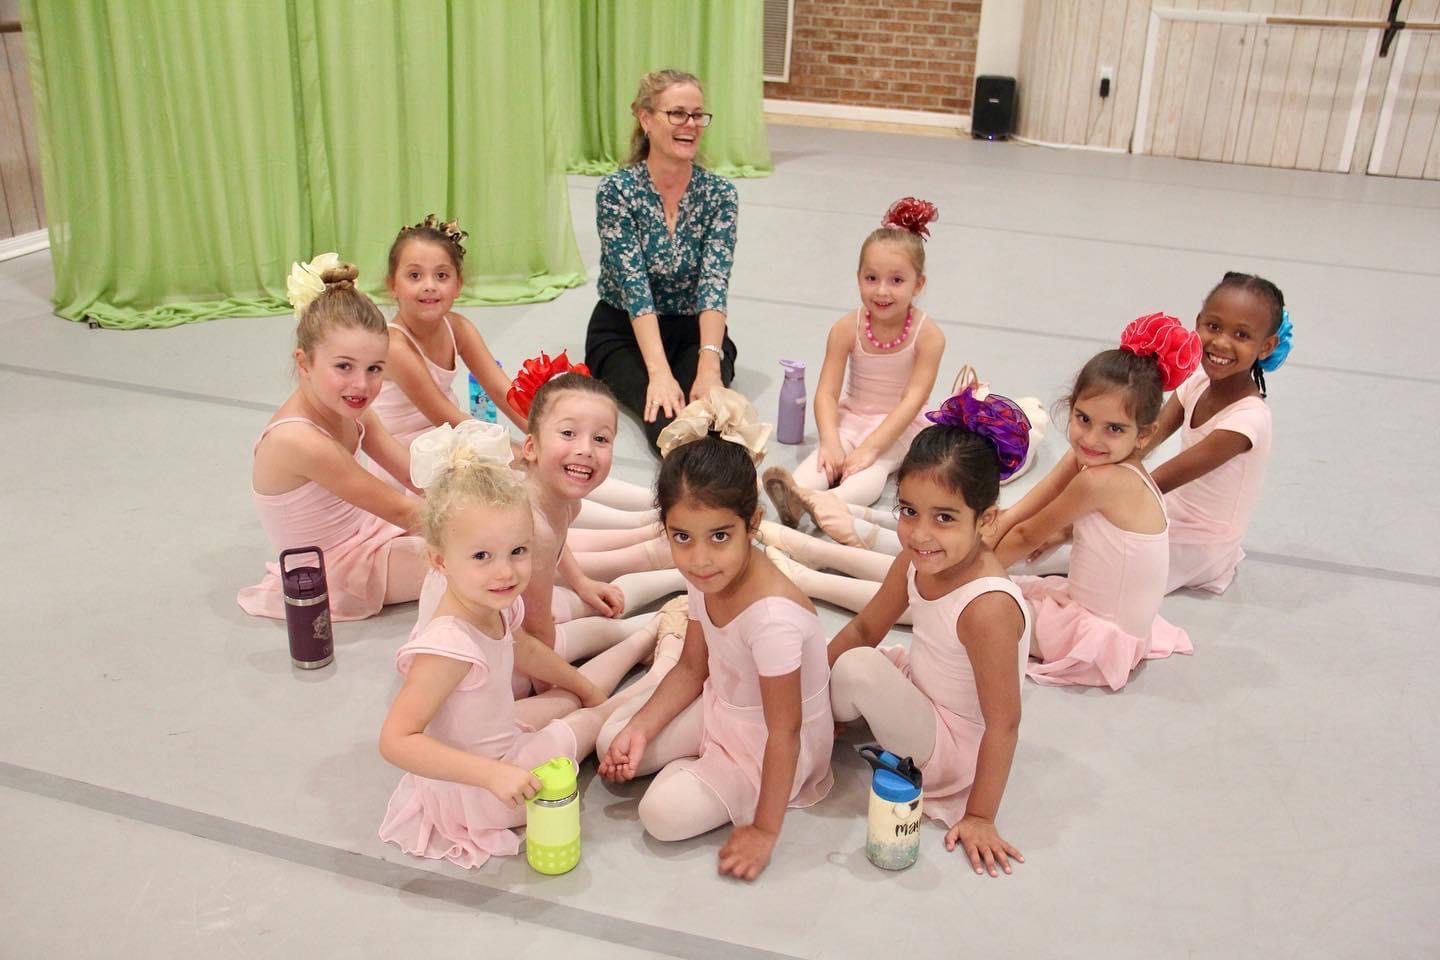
717,40
192,151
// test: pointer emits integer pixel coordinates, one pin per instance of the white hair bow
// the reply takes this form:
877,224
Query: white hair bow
304,283
439,448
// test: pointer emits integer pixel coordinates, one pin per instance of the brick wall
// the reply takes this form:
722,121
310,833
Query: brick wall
901,54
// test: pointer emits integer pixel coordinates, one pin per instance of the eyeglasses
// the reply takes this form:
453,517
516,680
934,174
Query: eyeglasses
678,118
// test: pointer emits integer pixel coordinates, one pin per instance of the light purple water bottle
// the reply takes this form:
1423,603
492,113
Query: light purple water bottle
790,422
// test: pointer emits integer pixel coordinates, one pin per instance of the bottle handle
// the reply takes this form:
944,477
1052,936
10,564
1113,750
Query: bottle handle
298,551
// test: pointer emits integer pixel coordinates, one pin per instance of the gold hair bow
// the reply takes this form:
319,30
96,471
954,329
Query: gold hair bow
450,229
723,411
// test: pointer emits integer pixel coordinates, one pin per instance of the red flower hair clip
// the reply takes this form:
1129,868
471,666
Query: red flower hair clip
534,374
1163,337
911,214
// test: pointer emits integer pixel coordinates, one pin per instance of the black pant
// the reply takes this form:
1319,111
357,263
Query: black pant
613,355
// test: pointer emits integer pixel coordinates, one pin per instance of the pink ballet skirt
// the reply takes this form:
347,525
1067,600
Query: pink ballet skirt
874,387
357,545
939,666
464,824
1096,625
1209,515
772,637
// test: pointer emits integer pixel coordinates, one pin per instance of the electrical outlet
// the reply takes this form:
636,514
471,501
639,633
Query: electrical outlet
1107,81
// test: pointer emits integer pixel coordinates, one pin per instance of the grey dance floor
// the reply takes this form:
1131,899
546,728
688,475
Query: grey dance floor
171,788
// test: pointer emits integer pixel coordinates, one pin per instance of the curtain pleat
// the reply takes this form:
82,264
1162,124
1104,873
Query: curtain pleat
192,151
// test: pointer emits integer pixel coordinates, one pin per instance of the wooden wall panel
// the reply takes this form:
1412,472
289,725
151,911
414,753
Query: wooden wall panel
1268,95
19,177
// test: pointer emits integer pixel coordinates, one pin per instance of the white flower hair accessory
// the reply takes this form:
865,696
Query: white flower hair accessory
304,283
440,448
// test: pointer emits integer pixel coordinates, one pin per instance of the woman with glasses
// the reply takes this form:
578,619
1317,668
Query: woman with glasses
667,239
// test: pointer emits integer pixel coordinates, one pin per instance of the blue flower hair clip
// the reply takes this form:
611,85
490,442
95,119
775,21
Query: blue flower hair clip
1286,333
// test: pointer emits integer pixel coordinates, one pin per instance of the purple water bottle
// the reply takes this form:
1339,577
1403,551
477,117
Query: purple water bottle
790,422
307,611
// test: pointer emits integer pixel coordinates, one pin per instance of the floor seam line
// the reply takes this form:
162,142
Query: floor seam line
378,871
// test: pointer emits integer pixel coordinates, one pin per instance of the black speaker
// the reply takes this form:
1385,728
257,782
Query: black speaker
993,115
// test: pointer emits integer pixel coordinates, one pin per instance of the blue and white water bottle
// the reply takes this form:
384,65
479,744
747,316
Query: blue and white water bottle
893,831
482,405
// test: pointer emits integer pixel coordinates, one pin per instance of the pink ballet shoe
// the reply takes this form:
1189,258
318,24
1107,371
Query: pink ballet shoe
782,490
832,515
674,616
669,648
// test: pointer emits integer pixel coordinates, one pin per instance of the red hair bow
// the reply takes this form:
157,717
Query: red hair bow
534,374
1163,337
911,214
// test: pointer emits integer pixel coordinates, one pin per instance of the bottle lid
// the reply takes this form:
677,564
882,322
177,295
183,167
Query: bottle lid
794,369
557,778
893,788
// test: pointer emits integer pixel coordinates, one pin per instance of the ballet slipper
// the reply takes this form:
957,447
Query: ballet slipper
669,621
782,490
674,616
669,647
832,515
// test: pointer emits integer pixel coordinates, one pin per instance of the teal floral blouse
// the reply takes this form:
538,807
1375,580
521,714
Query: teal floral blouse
645,270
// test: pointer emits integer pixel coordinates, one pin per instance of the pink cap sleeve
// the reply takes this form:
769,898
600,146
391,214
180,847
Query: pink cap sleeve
445,637
779,643
1250,418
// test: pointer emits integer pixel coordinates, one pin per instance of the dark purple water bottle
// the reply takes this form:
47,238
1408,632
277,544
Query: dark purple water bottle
790,423
307,611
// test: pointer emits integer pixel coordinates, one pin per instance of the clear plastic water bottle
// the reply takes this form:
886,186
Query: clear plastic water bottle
482,405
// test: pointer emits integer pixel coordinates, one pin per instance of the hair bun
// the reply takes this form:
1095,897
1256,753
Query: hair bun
1175,349
911,214
340,277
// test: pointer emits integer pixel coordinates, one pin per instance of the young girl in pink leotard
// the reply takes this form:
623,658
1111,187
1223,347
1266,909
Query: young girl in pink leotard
426,336
1096,625
468,747
308,482
1212,486
952,701
574,602
741,724
892,354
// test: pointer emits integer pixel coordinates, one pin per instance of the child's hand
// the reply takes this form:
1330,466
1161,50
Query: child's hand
622,760
747,852
830,459
513,785
606,598
982,843
859,459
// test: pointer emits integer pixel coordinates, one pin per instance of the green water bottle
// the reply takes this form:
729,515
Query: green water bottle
552,818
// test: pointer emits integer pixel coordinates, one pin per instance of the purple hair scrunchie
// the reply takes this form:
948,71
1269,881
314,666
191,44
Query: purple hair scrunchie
998,419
